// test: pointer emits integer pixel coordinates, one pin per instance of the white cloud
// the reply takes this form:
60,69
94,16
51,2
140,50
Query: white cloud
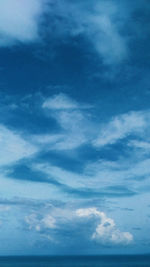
120,177
73,120
106,231
62,176
13,147
103,32
144,146
19,21
100,21
78,127
38,224
120,127
60,101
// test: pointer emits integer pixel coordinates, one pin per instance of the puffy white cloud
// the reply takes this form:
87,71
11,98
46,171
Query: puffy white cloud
106,231
19,20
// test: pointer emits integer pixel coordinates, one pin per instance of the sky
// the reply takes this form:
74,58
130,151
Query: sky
74,127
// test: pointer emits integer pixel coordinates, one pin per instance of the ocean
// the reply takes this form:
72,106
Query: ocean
81,261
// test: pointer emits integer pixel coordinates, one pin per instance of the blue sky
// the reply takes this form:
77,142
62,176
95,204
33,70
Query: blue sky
74,127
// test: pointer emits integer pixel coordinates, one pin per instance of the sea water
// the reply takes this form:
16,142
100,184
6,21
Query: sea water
87,261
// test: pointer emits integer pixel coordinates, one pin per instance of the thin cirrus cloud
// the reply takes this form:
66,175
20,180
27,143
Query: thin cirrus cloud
120,127
78,128
106,231
13,147
72,119
60,101
119,177
105,176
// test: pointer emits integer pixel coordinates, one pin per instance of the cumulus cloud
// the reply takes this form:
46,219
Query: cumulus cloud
19,21
106,231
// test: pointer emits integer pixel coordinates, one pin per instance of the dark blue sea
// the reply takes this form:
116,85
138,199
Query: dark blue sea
87,261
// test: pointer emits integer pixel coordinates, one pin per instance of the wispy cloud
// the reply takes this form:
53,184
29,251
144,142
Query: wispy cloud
102,23
73,120
60,102
99,22
121,127
104,32
13,147
78,126
106,231
120,177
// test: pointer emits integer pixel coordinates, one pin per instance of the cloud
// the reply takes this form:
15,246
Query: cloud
60,175
123,177
102,23
143,146
13,147
101,175
121,127
106,231
104,32
73,120
78,126
19,21
60,102
100,180
97,21
39,224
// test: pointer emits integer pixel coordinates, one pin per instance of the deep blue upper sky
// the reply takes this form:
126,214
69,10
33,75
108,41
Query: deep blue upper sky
74,127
